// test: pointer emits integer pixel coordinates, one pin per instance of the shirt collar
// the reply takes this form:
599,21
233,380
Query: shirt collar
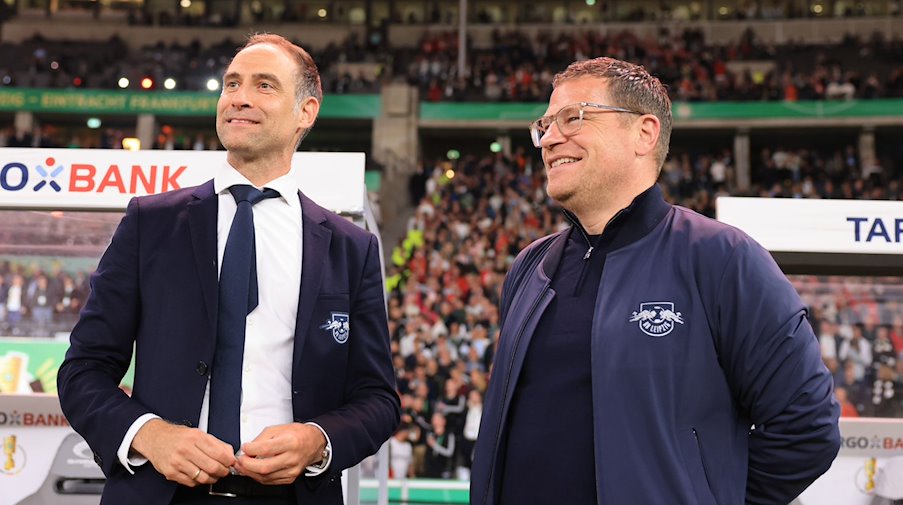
286,185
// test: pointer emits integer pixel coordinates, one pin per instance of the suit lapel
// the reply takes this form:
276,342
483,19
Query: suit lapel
314,255
202,223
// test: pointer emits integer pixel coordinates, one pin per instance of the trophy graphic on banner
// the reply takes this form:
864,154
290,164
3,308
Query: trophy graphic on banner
9,449
11,371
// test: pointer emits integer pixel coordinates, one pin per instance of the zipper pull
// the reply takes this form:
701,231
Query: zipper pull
588,252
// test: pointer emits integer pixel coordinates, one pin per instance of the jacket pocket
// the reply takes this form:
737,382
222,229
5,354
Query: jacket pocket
695,465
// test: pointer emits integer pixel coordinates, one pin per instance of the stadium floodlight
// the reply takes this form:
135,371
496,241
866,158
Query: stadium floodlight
169,83
213,84
453,154
131,144
147,83
185,4
322,13
590,2
54,65
94,123
495,147
449,174
123,82
818,8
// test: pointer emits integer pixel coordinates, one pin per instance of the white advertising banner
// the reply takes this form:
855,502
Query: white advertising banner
106,179
868,468
31,430
817,226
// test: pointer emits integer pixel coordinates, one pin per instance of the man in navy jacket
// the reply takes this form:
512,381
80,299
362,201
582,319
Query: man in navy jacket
317,387
647,354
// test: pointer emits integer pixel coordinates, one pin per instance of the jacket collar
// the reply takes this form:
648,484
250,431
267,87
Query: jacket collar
628,225
634,221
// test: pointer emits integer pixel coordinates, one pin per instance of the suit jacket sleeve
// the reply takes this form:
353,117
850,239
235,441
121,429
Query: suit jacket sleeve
371,409
101,347
773,364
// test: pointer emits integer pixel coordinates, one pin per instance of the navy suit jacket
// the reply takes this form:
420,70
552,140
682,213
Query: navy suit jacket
155,291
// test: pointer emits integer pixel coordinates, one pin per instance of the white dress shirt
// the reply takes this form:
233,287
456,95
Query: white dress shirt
270,328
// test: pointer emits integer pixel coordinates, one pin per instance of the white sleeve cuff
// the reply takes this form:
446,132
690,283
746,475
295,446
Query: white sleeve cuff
129,460
314,470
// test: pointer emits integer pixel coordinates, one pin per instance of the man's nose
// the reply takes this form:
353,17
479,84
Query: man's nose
552,136
240,98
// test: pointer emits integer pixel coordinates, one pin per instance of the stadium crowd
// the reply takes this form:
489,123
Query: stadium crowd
519,68
423,12
514,67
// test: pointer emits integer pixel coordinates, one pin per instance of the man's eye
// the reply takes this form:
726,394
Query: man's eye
570,118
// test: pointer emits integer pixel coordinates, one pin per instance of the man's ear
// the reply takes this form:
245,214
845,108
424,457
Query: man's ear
310,108
647,135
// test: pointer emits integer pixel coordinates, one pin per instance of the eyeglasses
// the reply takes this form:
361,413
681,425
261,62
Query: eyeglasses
569,119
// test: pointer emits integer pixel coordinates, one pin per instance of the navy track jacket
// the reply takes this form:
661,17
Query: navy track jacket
708,385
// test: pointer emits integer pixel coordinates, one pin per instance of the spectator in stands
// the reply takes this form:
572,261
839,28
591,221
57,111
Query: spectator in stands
847,409
401,454
471,427
858,390
4,294
886,398
440,454
654,270
15,301
41,301
858,352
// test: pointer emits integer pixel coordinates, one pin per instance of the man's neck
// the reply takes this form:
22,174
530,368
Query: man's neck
260,171
595,218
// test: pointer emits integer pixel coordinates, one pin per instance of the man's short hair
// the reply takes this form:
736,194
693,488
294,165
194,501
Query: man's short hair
630,86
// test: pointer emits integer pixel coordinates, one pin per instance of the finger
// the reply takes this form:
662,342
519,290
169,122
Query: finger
269,447
204,478
214,457
279,476
248,465
184,478
284,465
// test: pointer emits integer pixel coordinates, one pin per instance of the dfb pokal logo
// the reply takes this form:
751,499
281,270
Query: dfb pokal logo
340,326
12,459
656,319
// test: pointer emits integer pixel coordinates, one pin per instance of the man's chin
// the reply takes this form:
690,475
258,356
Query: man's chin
560,197
239,147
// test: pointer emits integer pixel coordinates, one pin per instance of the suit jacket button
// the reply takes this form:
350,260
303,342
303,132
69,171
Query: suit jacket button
201,369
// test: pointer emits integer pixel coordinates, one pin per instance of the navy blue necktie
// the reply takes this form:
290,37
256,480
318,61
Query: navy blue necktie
237,298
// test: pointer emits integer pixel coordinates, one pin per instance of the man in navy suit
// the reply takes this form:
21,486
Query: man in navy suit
316,386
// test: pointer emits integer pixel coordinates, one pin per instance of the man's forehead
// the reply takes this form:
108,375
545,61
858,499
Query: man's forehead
259,54
581,89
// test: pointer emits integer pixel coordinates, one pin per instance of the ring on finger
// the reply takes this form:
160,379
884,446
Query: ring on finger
196,474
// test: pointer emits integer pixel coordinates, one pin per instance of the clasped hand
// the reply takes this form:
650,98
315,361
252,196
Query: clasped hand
191,457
